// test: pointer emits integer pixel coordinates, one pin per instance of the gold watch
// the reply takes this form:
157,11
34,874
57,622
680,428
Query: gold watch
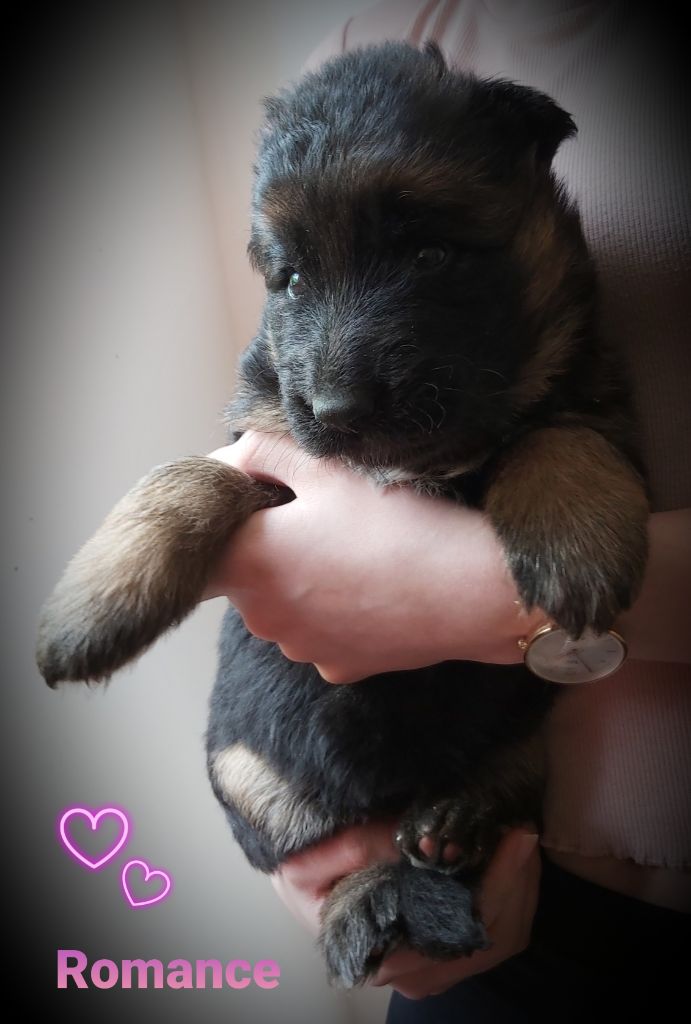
552,654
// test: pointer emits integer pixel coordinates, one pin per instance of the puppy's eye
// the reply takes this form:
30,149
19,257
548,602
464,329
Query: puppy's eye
431,257
277,280
296,285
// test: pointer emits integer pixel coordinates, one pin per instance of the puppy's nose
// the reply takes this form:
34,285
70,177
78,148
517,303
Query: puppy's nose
342,408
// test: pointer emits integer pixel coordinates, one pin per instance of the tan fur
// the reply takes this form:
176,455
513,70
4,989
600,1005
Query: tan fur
263,417
577,478
354,888
270,803
261,413
145,568
490,209
540,251
585,476
271,345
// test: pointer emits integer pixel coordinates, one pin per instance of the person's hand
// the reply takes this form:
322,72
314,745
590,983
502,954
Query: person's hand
507,901
305,879
361,579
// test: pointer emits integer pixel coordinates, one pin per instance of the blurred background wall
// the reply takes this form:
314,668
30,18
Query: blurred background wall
126,300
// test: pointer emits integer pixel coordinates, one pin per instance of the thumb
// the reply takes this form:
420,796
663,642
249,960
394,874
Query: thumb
504,872
272,457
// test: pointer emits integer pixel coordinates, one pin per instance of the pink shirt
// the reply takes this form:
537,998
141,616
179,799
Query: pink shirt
619,750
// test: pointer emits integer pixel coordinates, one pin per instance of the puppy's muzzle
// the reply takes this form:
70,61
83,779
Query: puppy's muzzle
342,408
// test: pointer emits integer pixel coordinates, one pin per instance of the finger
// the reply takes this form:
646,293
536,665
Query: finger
337,675
400,964
305,908
409,970
514,851
438,977
316,869
415,976
430,982
251,454
272,457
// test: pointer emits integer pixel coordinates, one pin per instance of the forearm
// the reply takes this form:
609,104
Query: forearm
360,579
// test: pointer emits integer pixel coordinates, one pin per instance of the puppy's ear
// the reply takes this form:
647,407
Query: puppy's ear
532,119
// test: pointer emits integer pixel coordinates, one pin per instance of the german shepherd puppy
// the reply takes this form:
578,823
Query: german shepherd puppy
430,319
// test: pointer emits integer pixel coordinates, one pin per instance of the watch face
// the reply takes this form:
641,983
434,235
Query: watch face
555,656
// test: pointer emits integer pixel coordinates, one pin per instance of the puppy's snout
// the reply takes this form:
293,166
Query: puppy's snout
342,409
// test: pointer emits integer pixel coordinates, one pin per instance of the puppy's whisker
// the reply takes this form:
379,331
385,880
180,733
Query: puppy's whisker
301,460
277,440
454,357
437,403
417,423
448,367
380,474
486,369
424,412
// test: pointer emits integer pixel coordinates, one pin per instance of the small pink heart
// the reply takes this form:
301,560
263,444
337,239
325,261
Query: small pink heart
95,819
149,873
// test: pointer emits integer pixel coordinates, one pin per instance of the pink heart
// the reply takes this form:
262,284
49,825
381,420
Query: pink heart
149,873
94,818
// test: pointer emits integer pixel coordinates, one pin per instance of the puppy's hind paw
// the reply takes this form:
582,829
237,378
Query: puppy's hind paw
360,924
439,914
449,836
372,912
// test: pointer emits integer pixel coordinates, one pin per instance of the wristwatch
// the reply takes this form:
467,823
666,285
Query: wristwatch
552,654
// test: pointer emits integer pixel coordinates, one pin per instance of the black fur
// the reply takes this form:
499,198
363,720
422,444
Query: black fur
417,366
430,318
370,749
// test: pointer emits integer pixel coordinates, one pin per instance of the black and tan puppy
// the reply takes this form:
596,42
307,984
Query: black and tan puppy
431,319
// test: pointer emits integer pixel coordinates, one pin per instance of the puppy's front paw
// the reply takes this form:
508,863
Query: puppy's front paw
145,568
578,580
450,836
572,516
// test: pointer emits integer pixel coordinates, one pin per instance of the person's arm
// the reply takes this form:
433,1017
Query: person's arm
360,579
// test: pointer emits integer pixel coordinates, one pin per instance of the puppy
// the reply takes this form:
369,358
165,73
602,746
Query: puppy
430,320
